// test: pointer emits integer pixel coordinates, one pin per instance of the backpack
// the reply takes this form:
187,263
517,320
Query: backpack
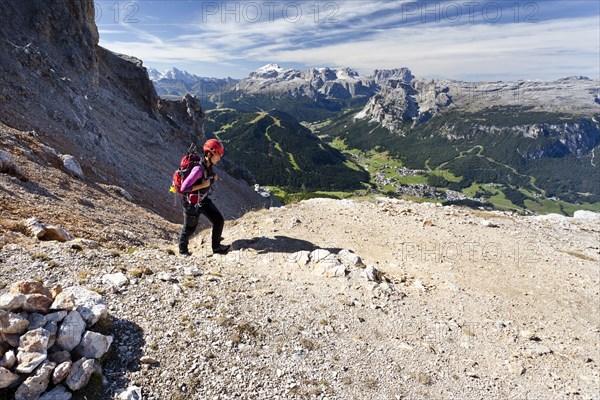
188,162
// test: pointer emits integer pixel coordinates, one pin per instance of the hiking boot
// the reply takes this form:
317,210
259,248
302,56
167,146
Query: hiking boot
222,249
185,253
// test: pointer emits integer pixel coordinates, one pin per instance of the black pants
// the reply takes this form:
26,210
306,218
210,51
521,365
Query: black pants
191,213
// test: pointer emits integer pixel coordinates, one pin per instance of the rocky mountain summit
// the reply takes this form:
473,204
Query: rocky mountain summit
312,83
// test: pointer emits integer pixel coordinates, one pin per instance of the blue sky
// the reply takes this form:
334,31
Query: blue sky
467,40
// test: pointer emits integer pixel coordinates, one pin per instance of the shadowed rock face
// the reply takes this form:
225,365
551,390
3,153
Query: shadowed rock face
100,107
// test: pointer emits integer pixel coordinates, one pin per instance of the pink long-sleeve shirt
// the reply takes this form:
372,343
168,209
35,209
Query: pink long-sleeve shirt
196,173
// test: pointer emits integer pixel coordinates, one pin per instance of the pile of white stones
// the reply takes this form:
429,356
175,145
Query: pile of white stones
48,348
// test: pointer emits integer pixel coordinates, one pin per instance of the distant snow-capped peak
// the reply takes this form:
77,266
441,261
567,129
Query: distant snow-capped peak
346,74
268,71
270,67
172,74
153,73
176,74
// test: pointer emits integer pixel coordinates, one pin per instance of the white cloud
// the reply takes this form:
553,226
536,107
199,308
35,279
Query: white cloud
535,50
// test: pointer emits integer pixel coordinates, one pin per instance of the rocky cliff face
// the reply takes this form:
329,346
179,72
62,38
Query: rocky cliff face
408,102
313,83
403,98
98,106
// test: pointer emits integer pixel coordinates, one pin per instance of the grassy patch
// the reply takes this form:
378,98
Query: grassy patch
412,179
449,176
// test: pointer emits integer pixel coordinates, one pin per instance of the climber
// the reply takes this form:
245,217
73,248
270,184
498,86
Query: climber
195,201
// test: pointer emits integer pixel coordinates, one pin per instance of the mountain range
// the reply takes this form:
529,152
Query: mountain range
518,143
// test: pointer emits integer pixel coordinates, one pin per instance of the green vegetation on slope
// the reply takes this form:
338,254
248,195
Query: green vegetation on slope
281,152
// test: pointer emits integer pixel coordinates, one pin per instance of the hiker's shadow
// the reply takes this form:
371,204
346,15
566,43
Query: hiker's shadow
278,244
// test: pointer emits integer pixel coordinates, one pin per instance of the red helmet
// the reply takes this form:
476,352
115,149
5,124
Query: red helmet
215,147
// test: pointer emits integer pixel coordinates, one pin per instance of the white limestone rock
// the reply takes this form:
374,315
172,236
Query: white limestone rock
58,393
94,345
72,165
7,378
11,323
70,331
35,385
80,374
61,372
11,302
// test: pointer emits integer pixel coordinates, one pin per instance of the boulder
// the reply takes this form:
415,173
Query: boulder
52,328
7,378
11,302
58,393
61,372
337,271
8,359
28,361
35,385
11,323
30,287
37,303
72,165
70,331
35,341
36,321
299,258
11,338
330,266
372,274
131,393
56,316
94,345
64,301
349,259
80,374
89,304
318,255
117,280
59,357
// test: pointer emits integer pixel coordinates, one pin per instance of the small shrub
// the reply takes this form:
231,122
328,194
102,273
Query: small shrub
136,273
97,290
40,256
307,344
371,383
224,321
